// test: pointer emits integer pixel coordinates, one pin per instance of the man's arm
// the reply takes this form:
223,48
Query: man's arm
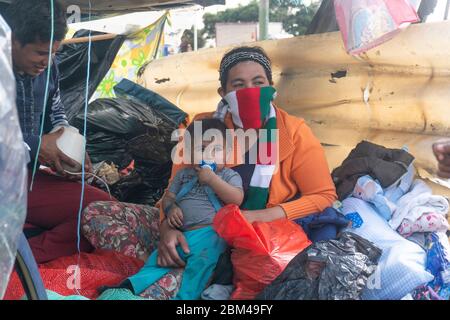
50,153
57,111
441,150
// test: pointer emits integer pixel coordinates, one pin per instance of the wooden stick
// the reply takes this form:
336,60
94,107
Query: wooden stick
101,37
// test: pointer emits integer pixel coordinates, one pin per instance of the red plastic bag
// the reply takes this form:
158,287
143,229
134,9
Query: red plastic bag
261,250
365,24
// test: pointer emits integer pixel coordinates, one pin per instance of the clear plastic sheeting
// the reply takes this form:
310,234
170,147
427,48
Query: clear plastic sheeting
13,159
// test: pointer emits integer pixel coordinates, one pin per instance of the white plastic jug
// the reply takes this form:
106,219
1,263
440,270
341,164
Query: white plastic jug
71,143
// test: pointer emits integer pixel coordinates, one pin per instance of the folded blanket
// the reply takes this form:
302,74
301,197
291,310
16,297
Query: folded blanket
417,202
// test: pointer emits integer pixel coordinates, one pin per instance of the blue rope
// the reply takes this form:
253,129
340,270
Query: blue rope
52,33
83,162
84,133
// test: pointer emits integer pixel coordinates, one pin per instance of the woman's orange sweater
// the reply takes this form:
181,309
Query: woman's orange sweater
303,169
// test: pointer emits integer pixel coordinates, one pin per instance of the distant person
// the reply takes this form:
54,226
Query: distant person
186,40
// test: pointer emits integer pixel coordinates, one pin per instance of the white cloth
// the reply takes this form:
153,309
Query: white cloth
401,267
416,202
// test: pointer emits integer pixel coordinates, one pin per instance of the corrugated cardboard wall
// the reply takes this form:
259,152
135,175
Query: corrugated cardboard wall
397,94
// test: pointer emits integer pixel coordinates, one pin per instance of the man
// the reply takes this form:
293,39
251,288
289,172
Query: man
54,201
441,150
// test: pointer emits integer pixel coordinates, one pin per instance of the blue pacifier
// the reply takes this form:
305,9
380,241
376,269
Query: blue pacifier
208,164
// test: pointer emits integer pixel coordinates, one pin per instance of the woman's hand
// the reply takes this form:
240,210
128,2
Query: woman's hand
167,248
264,215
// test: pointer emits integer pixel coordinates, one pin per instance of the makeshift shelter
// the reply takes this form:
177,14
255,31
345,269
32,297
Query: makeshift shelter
395,95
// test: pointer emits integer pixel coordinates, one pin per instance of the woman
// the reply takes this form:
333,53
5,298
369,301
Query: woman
300,186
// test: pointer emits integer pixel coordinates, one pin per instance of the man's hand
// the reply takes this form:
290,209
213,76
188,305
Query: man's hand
205,175
87,169
441,150
51,156
175,217
88,164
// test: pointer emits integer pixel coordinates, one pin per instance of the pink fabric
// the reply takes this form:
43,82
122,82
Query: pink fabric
365,24
429,222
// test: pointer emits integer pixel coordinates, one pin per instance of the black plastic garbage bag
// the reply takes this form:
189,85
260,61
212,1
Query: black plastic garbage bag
72,64
349,261
153,148
129,89
99,145
136,125
144,185
120,116
120,130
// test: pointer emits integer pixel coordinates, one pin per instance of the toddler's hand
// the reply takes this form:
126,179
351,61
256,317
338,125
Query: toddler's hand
205,175
175,217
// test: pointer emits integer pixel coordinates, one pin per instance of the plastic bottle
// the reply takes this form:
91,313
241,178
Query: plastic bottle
71,143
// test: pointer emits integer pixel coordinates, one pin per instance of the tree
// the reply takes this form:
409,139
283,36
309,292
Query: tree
248,13
295,16
298,22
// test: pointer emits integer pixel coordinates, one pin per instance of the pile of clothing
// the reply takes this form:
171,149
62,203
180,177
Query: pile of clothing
377,186
392,245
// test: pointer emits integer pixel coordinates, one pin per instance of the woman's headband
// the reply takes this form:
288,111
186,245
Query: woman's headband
235,58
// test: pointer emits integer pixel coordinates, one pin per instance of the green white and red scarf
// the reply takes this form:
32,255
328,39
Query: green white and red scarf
252,108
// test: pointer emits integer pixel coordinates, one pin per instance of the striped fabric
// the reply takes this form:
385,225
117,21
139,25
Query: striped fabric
252,108
30,103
